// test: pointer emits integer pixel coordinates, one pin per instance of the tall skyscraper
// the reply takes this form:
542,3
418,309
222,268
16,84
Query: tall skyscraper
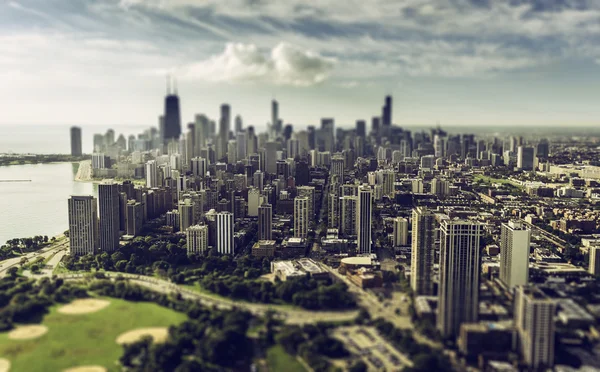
225,243
108,202
460,266
265,222
76,141
186,213
301,216
525,158
275,118
224,125
387,112
594,267
172,117
152,174
423,242
337,166
197,239
534,322
364,208
514,254
400,231
83,225
309,192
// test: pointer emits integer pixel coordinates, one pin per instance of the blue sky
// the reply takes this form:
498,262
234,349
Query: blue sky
459,62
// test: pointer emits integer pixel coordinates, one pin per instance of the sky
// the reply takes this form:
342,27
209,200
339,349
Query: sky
453,62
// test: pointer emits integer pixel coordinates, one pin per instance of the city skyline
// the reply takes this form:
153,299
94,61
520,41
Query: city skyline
505,63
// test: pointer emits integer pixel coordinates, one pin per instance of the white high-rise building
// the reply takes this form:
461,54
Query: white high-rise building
225,243
386,178
199,166
197,239
152,174
108,203
534,322
514,254
309,192
423,242
364,206
83,225
255,199
400,231
301,216
594,268
460,267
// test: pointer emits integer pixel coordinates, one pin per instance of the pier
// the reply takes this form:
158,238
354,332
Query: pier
15,180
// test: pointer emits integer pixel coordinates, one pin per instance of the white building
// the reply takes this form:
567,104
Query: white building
400,231
514,254
152,174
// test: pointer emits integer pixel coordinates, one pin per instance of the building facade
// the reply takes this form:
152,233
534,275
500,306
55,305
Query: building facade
83,225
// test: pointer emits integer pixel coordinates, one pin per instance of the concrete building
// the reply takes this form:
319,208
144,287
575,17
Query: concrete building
83,225
308,192
265,222
423,242
108,203
514,254
364,208
76,149
264,248
400,231
135,217
594,268
197,239
525,158
301,217
152,179
337,166
225,243
460,266
186,213
348,215
534,322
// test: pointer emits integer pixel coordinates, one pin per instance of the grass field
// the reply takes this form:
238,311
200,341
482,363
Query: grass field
279,360
86,339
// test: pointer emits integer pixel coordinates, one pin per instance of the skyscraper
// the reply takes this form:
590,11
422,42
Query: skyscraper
525,158
514,254
400,231
594,267
224,125
172,117
225,244
275,118
423,242
152,174
186,213
460,266
197,239
83,225
309,192
534,322
348,215
76,141
337,166
364,207
387,112
108,202
301,217
265,222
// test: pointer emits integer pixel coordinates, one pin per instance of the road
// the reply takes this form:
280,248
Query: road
44,252
290,315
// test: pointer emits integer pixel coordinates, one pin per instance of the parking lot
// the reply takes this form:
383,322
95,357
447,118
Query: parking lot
366,343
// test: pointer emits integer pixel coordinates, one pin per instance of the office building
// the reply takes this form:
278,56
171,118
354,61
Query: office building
76,149
364,208
83,225
225,243
152,179
308,192
526,158
348,215
301,216
197,239
265,222
135,217
224,125
534,323
460,266
186,213
337,166
400,236
386,117
514,254
423,244
172,117
108,203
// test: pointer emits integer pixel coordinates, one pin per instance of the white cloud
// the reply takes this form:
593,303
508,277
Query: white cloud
286,64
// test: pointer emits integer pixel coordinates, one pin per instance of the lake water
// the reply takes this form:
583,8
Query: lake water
38,207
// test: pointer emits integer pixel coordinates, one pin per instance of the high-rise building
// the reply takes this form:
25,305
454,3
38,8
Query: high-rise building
364,206
199,166
594,267
225,243
76,141
534,322
197,239
108,202
309,192
275,125
460,267
301,216
265,222
525,158
224,125
83,225
172,117
423,242
152,179
386,117
361,128
337,166
514,254
400,231
186,213
348,215
271,157
135,217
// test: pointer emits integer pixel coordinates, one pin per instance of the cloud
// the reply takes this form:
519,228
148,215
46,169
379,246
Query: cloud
286,64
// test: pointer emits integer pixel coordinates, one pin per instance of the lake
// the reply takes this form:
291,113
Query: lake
38,207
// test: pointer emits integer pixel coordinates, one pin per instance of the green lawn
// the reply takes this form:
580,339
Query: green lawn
87,339
279,360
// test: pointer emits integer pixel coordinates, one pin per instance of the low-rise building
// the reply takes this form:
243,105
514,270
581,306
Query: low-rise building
285,270
264,248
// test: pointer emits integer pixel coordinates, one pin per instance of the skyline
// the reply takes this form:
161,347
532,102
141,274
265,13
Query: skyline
466,63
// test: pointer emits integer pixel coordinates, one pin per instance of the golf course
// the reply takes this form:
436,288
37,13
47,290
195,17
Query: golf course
85,335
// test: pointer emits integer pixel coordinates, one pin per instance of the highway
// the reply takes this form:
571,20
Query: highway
32,256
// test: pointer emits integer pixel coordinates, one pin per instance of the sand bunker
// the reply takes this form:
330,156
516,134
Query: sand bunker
158,334
86,369
84,306
27,332
4,365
